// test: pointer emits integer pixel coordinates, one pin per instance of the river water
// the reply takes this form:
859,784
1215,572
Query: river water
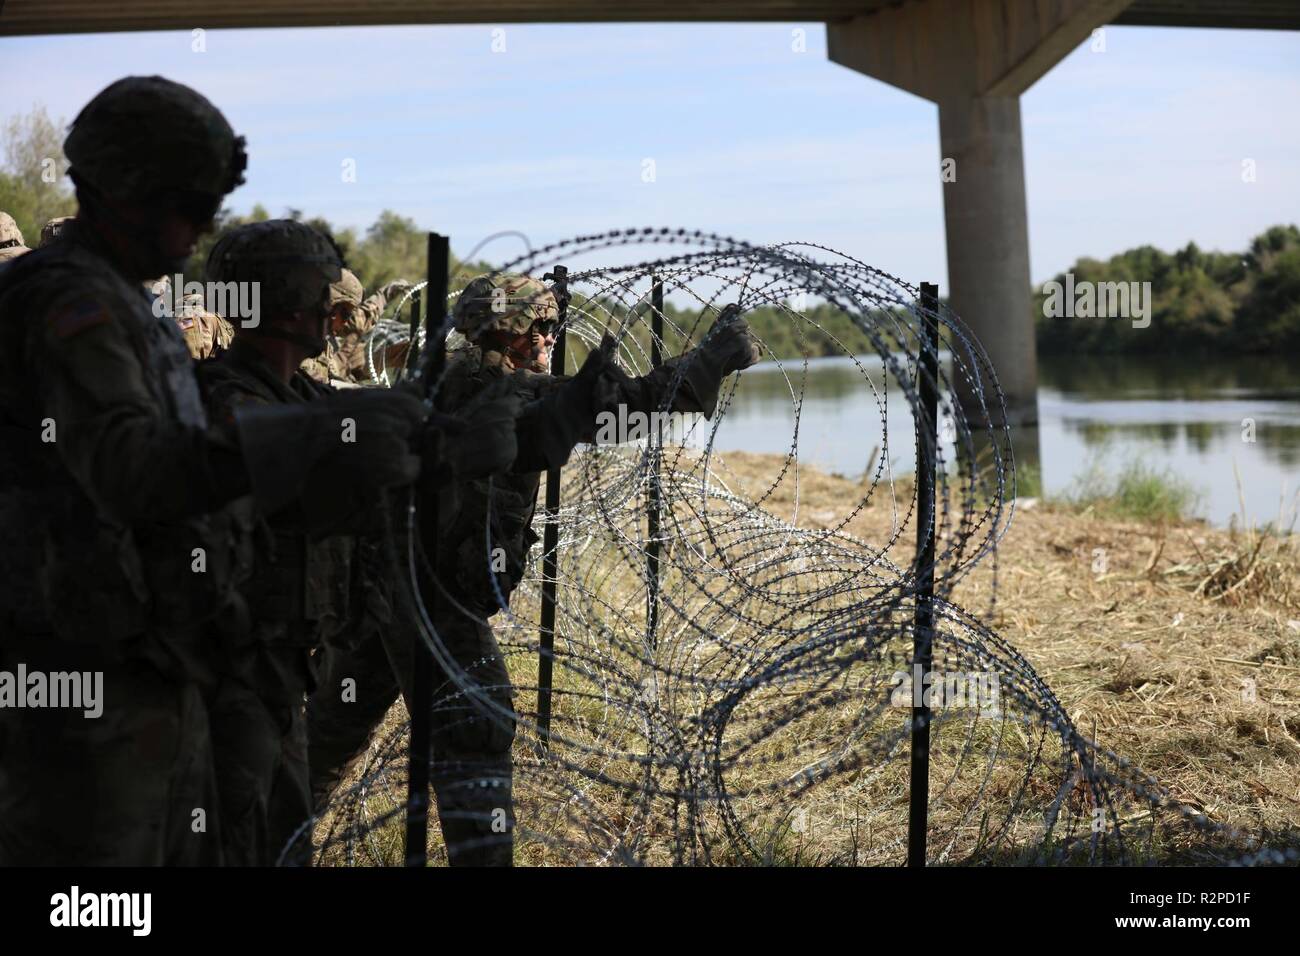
1194,418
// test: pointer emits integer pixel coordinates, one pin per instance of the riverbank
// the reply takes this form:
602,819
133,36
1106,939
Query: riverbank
1172,644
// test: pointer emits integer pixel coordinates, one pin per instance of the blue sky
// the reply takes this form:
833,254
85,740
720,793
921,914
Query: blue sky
1140,144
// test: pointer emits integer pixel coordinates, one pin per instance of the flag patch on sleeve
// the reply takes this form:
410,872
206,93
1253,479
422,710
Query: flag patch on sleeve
77,317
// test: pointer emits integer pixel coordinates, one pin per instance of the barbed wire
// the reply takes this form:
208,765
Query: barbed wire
766,719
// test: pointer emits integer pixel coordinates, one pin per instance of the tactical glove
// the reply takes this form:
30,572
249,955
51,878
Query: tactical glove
333,456
395,288
548,428
479,440
732,346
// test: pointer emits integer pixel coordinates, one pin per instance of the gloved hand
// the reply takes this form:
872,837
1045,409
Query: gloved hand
587,393
547,429
480,439
733,346
332,456
395,288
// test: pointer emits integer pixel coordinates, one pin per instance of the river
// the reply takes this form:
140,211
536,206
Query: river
1194,418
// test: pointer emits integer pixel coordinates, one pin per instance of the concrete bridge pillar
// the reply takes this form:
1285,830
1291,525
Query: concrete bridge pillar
987,234
974,58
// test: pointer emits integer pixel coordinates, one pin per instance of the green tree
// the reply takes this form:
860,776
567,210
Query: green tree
1202,301
33,188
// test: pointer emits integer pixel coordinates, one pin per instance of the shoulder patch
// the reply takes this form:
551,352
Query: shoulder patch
77,317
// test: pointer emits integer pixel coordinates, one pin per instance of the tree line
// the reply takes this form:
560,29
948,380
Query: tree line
1200,301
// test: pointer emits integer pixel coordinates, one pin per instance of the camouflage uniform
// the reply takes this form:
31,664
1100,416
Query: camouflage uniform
300,582
298,593
97,543
206,333
113,556
11,238
471,761
123,527
306,588
345,356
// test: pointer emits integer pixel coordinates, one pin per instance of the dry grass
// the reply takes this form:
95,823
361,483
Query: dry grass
1174,644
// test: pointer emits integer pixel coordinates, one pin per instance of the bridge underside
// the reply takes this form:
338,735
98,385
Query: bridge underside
19,17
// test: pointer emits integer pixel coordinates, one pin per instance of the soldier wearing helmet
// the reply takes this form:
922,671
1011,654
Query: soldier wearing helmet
512,318
125,518
509,322
305,589
354,315
53,228
206,333
11,238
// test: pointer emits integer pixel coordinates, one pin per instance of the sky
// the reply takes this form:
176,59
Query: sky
553,130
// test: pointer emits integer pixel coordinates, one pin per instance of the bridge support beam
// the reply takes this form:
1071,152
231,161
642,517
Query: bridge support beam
974,58
987,233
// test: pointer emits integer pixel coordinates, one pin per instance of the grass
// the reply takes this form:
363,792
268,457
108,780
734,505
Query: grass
1136,492
1171,643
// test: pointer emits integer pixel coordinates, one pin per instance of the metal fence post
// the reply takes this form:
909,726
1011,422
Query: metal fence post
927,386
417,791
655,506
550,534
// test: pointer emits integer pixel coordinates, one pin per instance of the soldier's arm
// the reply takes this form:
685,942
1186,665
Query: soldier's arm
133,460
565,411
694,377
366,315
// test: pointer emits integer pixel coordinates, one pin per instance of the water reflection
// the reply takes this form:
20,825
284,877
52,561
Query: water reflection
1195,417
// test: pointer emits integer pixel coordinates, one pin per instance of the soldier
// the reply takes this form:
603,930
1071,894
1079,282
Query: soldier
509,322
352,320
305,589
124,519
206,334
11,238
53,229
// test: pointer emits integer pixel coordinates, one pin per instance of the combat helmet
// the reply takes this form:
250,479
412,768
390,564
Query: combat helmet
10,234
503,303
294,265
53,229
347,289
146,138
